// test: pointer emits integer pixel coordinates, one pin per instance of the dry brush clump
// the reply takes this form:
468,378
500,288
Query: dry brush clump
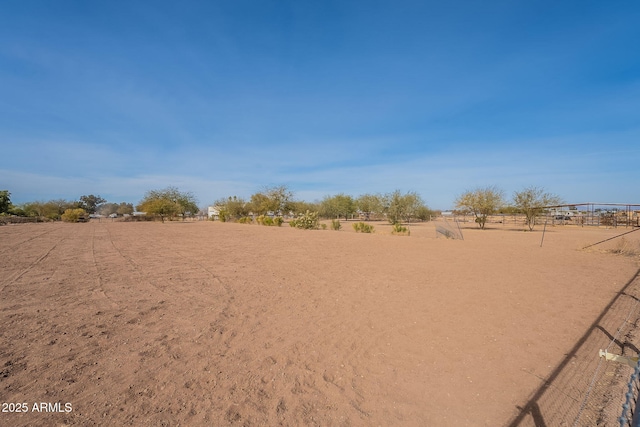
400,230
361,227
268,221
622,247
626,248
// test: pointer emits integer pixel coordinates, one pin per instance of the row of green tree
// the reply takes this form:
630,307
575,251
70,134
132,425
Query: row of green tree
485,201
55,209
168,203
395,206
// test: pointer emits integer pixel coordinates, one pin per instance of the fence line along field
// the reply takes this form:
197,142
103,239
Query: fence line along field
203,323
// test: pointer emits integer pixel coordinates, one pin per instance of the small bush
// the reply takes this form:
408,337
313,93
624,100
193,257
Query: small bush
224,215
306,221
268,221
626,248
335,224
398,229
361,227
73,215
245,220
323,226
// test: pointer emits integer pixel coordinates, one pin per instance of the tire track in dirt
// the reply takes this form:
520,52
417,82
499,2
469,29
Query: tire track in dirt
164,269
99,290
154,291
8,249
172,340
162,266
16,276
245,391
121,286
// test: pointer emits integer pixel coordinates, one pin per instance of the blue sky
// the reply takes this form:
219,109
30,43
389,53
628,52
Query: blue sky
225,97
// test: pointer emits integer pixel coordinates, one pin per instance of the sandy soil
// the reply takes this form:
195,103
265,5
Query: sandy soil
221,324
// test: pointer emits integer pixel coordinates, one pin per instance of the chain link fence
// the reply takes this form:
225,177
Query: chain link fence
586,389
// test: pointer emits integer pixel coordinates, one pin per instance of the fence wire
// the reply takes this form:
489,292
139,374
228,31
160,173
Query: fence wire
449,228
585,389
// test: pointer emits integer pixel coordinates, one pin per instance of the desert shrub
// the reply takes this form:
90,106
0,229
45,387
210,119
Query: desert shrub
335,224
323,226
245,220
306,221
224,215
361,227
73,215
268,221
626,248
400,230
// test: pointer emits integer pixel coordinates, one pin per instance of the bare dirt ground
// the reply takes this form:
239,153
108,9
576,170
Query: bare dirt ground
205,323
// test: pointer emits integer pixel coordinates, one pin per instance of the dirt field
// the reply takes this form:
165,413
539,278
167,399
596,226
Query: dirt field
205,323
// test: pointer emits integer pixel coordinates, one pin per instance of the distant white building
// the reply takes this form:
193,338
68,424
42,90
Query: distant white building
213,212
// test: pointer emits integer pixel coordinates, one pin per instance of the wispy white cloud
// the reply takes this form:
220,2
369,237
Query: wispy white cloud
142,100
560,164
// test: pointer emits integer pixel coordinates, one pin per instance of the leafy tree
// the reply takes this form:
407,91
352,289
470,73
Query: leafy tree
531,202
481,202
259,203
423,213
32,208
5,201
168,202
73,215
369,204
52,209
91,203
159,206
125,209
401,207
278,200
187,202
336,206
300,207
17,210
232,208
55,208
